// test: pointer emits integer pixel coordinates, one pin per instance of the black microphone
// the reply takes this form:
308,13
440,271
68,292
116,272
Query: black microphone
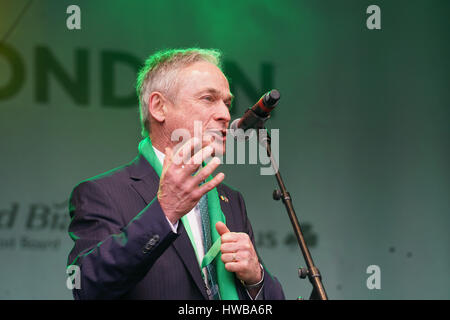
255,116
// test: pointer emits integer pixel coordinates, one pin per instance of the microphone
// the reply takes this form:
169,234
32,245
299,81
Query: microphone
255,116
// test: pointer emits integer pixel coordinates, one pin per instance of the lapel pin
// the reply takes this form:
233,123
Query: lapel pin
223,198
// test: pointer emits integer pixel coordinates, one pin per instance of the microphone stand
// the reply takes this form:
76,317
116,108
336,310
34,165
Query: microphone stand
313,274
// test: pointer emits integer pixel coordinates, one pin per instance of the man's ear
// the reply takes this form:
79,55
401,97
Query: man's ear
157,106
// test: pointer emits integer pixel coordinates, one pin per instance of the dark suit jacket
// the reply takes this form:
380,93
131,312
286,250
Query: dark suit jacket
124,244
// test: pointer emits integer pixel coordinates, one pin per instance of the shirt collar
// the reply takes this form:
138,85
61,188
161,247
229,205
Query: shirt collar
160,155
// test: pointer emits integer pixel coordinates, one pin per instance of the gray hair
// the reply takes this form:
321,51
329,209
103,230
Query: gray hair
160,71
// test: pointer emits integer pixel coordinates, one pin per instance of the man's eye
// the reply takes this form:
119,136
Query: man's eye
208,98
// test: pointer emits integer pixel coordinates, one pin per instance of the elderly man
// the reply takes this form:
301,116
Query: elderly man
162,227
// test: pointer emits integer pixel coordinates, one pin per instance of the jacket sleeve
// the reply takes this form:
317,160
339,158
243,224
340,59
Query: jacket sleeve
113,256
271,289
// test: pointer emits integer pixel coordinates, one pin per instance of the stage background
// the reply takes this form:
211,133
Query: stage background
363,119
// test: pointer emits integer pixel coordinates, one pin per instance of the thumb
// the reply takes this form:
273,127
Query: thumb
221,228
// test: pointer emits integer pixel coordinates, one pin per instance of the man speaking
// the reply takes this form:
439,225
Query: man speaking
165,226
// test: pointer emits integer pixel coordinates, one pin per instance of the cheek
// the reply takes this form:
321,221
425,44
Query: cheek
184,117
177,121
177,131
192,118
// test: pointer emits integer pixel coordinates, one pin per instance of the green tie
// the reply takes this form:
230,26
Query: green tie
213,291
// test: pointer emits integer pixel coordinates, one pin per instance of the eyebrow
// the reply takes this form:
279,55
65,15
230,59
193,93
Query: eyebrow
217,93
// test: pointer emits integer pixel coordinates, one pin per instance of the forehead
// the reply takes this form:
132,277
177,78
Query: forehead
201,76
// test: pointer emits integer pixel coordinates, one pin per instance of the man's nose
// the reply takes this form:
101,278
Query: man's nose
223,113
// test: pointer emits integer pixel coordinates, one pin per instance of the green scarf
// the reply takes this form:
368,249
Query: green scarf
225,279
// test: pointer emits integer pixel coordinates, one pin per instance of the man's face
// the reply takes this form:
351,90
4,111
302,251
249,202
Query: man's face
202,94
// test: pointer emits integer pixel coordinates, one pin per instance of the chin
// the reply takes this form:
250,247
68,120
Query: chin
219,148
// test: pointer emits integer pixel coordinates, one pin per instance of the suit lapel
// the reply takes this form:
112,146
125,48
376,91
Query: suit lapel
145,181
226,209
186,252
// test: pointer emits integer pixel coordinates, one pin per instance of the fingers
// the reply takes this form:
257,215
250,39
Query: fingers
201,156
184,153
206,171
167,161
191,155
233,267
230,247
214,182
190,152
241,263
200,190
177,184
235,241
221,228
229,258
238,255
